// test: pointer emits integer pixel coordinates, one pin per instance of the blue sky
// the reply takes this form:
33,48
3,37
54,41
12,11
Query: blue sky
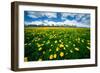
56,18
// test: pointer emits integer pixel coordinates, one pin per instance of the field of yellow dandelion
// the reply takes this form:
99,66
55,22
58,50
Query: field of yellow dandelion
55,43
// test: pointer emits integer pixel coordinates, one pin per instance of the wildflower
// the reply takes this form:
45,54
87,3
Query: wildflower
61,54
78,39
48,42
56,41
55,55
71,51
57,49
66,53
66,45
40,59
59,40
74,45
61,45
51,45
38,45
50,50
43,41
51,57
64,48
88,48
25,44
40,49
88,40
82,41
43,52
29,44
77,49
88,43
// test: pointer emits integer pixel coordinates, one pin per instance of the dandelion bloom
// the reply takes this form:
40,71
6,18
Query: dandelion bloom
71,51
38,45
40,59
77,49
59,40
73,44
43,52
50,50
56,41
66,45
88,43
64,48
55,55
61,45
88,48
61,54
57,49
82,41
51,57
40,49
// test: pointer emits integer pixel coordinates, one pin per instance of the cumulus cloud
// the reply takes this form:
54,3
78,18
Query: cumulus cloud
58,19
37,14
33,23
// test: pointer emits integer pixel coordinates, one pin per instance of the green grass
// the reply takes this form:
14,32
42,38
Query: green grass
56,43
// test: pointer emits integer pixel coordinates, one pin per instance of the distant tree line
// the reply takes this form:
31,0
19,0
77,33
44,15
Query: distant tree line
42,25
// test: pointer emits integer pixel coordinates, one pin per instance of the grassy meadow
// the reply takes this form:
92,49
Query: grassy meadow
56,43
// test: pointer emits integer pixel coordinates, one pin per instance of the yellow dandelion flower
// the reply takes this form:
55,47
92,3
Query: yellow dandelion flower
43,52
74,45
48,42
56,41
88,48
71,51
82,41
88,40
64,48
78,39
40,59
51,45
40,49
59,40
43,41
51,57
29,44
55,55
61,45
38,45
77,49
57,49
50,50
25,44
66,53
42,44
61,54
66,45
88,43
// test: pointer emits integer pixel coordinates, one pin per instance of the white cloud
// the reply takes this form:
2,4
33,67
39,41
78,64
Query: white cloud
49,14
68,14
33,23
32,14
82,23
37,14
50,23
